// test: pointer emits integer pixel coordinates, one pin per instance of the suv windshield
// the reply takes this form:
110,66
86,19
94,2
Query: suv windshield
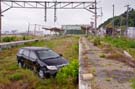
46,54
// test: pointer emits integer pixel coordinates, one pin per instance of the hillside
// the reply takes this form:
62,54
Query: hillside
121,20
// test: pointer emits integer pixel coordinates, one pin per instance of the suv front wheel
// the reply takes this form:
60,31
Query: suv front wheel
21,64
41,73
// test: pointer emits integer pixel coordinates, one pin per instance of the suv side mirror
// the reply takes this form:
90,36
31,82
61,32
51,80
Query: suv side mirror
60,54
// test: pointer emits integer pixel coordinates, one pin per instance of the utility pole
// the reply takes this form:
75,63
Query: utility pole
35,29
127,18
45,18
113,18
28,29
95,14
55,17
0,22
101,14
121,25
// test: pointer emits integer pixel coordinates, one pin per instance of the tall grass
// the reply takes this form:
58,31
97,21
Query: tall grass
68,73
10,73
133,83
120,42
16,38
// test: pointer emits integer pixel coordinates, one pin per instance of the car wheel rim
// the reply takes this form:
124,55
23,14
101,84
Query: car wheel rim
41,74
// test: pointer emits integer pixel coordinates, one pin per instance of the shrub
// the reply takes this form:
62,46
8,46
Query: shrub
16,76
67,72
102,56
24,38
133,83
132,44
97,41
9,39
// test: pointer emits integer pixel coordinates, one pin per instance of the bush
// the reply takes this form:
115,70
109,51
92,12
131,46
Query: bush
16,76
9,39
132,44
70,71
97,41
24,38
102,56
133,83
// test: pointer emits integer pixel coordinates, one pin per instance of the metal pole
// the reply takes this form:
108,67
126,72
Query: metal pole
121,25
113,18
45,18
95,14
55,17
0,22
28,29
127,19
101,14
35,29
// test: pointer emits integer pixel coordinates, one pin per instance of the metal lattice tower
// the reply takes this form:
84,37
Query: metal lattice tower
90,6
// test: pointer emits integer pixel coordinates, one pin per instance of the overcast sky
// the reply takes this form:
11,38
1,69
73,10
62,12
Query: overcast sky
18,19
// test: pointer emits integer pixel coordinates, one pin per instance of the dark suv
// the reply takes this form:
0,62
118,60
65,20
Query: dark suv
44,61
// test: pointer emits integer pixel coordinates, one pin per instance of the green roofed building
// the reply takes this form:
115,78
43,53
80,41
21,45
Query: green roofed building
73,29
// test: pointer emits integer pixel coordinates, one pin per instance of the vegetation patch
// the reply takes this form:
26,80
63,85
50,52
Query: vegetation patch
15,38
102,56
108,79
133,83
97,41
69,73
15,77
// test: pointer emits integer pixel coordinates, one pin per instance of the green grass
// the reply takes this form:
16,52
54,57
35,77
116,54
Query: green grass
118,42
133,83
122,42
102,56
70,71
16,76
16,38
10,73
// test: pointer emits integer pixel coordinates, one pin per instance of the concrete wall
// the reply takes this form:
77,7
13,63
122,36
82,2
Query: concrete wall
8,45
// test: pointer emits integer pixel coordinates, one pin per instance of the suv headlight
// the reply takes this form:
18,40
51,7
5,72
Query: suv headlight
52,67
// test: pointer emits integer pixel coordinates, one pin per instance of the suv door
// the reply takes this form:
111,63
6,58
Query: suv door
25,56
33,58
19,55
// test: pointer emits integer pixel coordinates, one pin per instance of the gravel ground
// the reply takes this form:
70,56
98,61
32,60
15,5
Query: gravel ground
109,74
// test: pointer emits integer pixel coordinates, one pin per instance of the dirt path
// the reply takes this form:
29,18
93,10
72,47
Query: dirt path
109,74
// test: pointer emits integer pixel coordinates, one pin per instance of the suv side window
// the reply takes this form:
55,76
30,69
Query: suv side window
20,51
33,55
26,53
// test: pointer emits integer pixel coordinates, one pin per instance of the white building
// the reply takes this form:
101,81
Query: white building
131,32
73,29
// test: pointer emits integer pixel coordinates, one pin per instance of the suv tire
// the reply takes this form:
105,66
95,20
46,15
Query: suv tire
54,75
41,74
21,64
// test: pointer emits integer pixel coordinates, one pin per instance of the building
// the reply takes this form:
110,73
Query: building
74,29
131,32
